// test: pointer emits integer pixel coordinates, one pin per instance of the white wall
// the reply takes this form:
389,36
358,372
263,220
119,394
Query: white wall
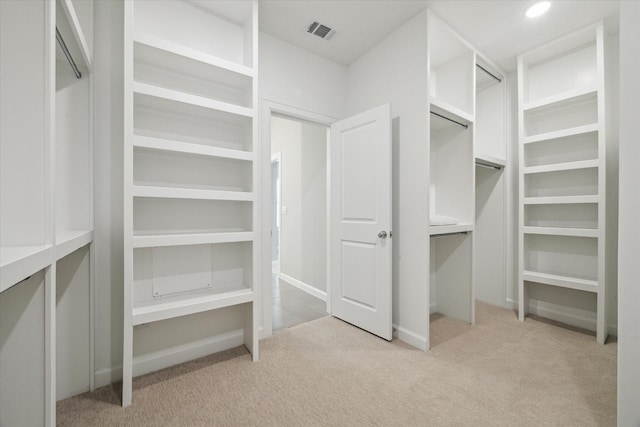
629,268
303,237
297,78
395,71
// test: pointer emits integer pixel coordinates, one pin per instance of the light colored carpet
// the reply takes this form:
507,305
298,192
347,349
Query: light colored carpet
499,372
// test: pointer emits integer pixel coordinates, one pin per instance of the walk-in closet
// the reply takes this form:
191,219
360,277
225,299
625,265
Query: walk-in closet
473,184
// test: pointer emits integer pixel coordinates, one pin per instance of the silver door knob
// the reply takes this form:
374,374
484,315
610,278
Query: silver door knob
382,234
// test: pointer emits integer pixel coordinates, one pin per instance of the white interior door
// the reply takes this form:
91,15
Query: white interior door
361,220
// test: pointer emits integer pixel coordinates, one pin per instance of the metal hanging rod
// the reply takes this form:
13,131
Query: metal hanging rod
451,120
66,52
488,166
455,233
489,72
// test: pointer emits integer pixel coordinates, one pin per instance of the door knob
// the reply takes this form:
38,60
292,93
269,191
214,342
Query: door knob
382,234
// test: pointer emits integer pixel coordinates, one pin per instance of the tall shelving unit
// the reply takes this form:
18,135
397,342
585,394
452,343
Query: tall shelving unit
450,226
491,184
46,207
562,152
191,169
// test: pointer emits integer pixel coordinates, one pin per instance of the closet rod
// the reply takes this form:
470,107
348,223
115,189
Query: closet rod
490,73
455,233
451,120
488,166
66,52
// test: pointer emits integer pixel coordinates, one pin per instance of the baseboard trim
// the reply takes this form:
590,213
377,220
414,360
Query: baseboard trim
304,287
411,338
172,356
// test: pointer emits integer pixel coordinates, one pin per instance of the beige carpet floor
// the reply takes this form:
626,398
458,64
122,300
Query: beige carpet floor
328,373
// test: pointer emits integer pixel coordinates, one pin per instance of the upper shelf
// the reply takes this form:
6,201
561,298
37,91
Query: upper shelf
566,97
437,230
486,160
189,148
449,112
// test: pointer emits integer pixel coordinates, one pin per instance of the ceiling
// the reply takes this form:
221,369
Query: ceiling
498,28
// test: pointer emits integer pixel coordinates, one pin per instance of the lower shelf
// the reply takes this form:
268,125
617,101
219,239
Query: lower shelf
189,303
436,230
561,281
19,262
150,241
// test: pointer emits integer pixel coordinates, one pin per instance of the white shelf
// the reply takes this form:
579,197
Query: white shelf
157,240
556,167
436,230
68,241
486,160
561,281
189,303
189,148
78,33
447,110
190,54
578,130
557,200
191,193
19,262
185,98
556,231
570,96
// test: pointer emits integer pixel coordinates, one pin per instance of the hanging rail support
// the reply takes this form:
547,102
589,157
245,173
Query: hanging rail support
66,52
490,73
451,120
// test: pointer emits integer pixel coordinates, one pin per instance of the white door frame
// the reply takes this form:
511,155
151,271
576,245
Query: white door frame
277,158
264,289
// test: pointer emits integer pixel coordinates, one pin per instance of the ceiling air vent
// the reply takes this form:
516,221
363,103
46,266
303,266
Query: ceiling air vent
320,30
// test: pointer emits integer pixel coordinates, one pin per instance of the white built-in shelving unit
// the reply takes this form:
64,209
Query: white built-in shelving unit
451,82
561,113
46,207
191,170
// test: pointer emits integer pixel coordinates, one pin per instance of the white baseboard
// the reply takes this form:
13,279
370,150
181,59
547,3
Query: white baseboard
304,287
172,356
559,313
411,338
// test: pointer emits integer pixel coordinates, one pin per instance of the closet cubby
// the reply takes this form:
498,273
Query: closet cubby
451,275
451,69
578,182
562,167
165,124
191,212
175,281
451,172
157,168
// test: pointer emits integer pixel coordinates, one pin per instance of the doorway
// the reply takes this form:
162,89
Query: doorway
299,189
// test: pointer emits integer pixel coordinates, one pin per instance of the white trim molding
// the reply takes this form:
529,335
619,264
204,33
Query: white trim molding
304,287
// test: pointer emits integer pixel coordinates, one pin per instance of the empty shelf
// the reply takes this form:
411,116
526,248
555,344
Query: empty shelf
19,262
436,230
445,109
191,193
570,96
68,241
190,148
157,240
189,303
561,281
185,98
555,167
556,231
494,162
178,51
556,200
578,130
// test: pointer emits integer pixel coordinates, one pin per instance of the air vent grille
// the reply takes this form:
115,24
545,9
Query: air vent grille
320,30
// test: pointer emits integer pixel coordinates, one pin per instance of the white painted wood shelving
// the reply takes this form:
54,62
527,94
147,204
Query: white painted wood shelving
191,174
562,154
46,207
451,219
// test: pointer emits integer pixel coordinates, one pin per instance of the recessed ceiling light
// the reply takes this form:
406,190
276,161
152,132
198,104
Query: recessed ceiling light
538,9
